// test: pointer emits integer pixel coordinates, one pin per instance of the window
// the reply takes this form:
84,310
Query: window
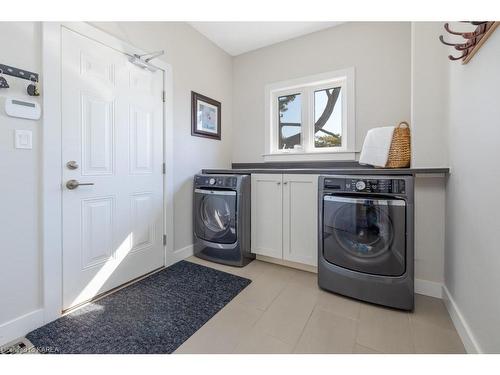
290,121
312,115
328,117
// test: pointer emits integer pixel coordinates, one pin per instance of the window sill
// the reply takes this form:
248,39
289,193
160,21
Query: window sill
310,156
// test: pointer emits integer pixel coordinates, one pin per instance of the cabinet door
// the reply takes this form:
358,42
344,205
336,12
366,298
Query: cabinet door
300,218
267,215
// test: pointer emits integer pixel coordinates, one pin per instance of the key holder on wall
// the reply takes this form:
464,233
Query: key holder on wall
3,82
473,40
32,88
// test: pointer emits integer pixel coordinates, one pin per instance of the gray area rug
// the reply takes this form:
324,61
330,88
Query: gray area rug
154,315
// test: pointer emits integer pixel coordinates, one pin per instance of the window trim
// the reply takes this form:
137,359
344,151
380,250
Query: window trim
306,87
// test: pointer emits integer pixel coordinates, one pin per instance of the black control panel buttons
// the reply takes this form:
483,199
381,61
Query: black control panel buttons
380,186
216,181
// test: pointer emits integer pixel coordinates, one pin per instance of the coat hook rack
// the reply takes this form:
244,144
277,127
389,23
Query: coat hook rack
19,73
473,39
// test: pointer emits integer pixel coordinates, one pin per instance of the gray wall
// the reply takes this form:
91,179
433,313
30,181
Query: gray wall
429,96
472,222
379,51
429,134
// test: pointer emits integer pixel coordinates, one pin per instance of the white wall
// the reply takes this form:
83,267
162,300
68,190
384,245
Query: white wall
472,220
19,181
198,65
380,53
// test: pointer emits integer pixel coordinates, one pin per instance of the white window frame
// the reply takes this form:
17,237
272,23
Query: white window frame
306,86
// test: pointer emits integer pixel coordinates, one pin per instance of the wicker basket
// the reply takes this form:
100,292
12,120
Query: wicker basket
400,151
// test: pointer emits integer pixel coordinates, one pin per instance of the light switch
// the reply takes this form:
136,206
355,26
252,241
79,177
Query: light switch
24,139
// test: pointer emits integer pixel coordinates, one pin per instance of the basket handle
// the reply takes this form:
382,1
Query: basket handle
400,125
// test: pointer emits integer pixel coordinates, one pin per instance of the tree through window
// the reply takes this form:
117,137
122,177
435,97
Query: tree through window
328,118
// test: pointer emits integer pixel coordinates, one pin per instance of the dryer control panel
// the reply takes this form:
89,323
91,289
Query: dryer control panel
363,185
215,181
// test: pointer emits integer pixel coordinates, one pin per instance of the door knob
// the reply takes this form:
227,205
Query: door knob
73,184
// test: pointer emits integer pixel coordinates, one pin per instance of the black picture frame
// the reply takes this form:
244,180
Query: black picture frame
210,104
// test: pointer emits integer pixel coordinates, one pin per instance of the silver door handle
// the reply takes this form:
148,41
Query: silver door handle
73,184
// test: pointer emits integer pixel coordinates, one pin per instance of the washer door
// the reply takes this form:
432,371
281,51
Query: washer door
365,234
215,215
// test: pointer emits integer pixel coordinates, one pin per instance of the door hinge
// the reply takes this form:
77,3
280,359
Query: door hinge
164,96
164,168
164,239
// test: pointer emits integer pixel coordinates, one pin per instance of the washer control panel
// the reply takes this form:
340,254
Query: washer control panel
215,181
366,185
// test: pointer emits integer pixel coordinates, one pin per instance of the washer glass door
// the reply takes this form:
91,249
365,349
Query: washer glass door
215,215
365,234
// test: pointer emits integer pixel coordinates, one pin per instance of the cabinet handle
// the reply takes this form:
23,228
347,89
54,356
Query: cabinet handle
285,183
278,183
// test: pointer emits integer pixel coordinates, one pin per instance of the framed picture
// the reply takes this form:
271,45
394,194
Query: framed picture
205,116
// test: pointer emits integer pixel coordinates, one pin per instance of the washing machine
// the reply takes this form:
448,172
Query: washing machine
366,238
222,218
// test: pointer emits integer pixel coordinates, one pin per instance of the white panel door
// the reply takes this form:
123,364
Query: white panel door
112,129
300,218
267,215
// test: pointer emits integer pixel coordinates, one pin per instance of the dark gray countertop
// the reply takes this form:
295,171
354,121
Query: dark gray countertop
331,171
321,167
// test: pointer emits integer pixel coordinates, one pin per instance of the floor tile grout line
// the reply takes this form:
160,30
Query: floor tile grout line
305,325
358,320
413,321
327,310
412,337
273,301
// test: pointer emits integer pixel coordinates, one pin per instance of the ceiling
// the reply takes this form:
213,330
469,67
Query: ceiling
239,37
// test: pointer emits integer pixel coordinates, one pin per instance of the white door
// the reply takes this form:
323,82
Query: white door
112,131
300,218
267,215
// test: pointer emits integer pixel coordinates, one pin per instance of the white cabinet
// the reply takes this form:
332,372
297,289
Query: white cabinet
300,218
267,203
284,217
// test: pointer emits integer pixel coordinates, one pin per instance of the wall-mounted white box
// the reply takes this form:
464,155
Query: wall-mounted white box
26,109
23,139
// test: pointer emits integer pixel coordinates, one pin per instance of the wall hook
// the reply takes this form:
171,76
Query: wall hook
3,82
473,39
464,55
32,88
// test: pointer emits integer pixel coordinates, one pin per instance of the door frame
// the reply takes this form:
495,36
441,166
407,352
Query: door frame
51,172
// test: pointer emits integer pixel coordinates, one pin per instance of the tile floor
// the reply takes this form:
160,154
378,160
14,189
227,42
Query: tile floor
283,311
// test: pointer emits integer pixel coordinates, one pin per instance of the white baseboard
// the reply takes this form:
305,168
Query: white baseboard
429,288
19,327
470,343
183,253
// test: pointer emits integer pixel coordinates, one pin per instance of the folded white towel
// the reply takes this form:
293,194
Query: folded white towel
376,146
